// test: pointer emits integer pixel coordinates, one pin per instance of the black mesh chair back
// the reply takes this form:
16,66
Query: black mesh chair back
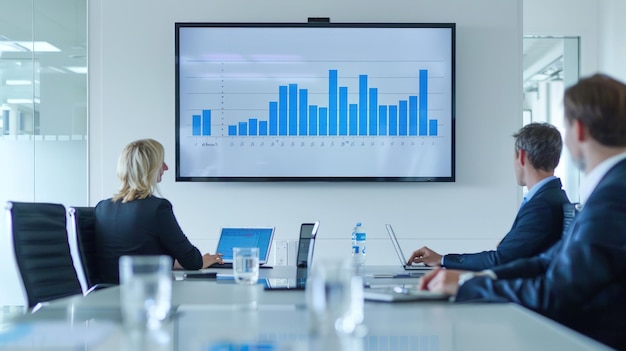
83,224
42,253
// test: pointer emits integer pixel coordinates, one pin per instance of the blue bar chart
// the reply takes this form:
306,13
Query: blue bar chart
315,102
291,115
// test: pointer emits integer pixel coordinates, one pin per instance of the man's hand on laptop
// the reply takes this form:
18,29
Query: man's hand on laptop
426,256
209,260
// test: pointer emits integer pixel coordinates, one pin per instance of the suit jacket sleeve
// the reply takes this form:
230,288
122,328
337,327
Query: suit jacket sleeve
537,226
174,240
527,267
587,270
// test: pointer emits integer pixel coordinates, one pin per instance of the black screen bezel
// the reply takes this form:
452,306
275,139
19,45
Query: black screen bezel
450,178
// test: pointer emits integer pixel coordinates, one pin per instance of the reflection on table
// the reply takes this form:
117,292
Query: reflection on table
217,316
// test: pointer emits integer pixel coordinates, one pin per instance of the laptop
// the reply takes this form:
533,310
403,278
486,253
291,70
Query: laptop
306,244
401,294
304,259
400,254
260,237
292,283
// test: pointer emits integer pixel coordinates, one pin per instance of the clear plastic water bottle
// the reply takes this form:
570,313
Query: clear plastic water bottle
358,244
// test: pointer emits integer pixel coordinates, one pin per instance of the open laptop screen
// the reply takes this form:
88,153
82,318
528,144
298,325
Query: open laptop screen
245,237
306,243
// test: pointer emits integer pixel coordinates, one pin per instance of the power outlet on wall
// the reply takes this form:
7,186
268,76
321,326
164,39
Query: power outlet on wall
281,253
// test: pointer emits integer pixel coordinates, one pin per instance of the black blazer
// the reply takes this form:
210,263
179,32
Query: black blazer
139,227
537,226
580,282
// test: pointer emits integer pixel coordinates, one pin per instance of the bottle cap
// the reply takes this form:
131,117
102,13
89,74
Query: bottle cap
358,224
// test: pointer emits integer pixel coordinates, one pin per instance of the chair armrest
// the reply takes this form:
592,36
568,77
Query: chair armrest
99,287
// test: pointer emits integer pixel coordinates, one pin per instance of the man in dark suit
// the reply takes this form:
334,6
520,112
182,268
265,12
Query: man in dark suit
581,281
539,221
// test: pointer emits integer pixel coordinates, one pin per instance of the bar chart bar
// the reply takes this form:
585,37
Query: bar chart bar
304,97
363,104
393,120
195,125
332,102
382,120
432,130
206,122
423,94
412,115
293,109
354,110
243,128
292,115
273,118
282,110
373,111
253,126
323,117
313,120
403,118
343,110
262,127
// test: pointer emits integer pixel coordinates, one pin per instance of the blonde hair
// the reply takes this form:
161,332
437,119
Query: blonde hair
138,169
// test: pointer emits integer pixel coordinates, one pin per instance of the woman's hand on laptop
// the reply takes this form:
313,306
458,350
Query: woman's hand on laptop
426,256
209,260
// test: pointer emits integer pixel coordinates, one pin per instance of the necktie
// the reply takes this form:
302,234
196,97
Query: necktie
523,202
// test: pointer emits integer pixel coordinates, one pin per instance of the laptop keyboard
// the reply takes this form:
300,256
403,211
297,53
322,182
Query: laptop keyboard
221,265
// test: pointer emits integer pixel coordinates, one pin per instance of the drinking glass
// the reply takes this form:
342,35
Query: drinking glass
334,297
145,290
246,265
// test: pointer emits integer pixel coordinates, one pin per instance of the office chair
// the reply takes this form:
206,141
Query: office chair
570,210
39,239
83,248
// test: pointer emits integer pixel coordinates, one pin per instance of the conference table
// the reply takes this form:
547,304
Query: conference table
219,315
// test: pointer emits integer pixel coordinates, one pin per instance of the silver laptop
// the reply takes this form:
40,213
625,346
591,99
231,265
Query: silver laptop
400,254
401,293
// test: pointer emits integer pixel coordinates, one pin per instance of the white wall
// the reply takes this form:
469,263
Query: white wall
613,38
131,50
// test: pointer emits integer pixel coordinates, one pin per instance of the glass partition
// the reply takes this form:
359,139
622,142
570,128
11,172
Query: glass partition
551,64
43,110
43,99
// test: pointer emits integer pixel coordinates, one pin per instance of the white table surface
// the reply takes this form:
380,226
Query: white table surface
215,316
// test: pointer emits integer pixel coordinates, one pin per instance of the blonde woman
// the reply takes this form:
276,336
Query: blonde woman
135,222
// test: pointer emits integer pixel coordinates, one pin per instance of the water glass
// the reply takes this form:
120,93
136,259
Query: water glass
335,298
246,265
145,290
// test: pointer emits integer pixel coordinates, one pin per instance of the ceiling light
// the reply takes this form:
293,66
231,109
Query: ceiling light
22,101
38,46
56,69
18,82
539,77
78,69
9,46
